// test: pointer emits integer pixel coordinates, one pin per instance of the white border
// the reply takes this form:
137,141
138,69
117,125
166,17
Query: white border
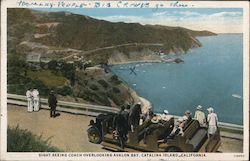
167,4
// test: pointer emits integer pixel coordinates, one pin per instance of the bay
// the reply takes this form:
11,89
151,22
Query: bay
211,75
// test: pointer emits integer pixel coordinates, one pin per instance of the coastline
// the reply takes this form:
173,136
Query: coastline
136,61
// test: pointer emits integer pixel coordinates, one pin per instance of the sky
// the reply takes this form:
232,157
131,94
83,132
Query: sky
218,20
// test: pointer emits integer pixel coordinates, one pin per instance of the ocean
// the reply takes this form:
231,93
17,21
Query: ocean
211,75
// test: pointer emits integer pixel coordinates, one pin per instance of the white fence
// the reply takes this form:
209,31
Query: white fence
94,110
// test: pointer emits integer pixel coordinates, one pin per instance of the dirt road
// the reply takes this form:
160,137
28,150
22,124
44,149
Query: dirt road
68,131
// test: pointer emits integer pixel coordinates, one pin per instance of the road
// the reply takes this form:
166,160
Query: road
68,131
114,46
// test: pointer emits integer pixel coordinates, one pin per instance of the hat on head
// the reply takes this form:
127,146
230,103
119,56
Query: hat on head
187,112
51,92
165,111
210,109
199,107
139,103
154,120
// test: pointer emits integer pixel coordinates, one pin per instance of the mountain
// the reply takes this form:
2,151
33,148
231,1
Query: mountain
43,45
68,30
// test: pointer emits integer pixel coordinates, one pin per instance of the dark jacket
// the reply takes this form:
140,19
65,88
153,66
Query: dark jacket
52,101
134,116
119,123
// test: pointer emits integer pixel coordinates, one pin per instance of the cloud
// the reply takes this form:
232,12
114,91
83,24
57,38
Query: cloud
220,22
160,13
188,13
226,14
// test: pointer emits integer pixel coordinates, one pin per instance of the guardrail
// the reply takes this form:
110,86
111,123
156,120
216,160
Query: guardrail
94,110
70,107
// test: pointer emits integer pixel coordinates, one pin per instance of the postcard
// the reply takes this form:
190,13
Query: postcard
119,80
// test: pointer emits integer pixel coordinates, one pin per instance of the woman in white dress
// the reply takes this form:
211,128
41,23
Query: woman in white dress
36,99
30,100
212,120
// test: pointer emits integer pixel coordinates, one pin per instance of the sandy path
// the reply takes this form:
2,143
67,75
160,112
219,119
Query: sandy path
68,131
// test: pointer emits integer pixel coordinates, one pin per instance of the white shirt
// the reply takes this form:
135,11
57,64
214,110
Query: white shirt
28,94
200,116
212,119
35,93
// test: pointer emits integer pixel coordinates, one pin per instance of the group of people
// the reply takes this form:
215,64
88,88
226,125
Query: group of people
128,119
211,121
33,100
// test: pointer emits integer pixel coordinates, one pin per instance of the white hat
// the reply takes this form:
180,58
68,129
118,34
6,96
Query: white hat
199,107
165,111
139,103
154,120
188,112
210,109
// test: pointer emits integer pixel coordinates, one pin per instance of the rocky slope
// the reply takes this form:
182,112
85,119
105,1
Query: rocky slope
57,44
62,31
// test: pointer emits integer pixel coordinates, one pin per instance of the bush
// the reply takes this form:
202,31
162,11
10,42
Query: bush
103,83
93,87
115,79
19,140
116,90
66,90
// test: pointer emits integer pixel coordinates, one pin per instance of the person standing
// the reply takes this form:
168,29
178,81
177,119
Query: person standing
134,116
120,128
200,116
52,101
36,99
30,100
212,120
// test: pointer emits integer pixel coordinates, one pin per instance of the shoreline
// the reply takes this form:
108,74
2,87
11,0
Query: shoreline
136,61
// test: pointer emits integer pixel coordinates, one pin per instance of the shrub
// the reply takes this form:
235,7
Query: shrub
103,83
19,140
115,79
64,91
116,90
93,87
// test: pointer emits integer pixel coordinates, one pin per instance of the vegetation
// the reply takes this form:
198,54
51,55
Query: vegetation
86,33
19,140
62,31
48,78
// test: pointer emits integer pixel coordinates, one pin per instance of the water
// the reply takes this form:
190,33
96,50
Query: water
211,76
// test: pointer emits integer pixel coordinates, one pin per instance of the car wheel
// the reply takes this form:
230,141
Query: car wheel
94,135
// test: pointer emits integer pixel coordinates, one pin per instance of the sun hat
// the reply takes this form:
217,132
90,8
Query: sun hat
210,109
187,112
199,107
154,120
165,111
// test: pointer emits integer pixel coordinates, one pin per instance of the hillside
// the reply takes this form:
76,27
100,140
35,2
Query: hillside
53,50
63,30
